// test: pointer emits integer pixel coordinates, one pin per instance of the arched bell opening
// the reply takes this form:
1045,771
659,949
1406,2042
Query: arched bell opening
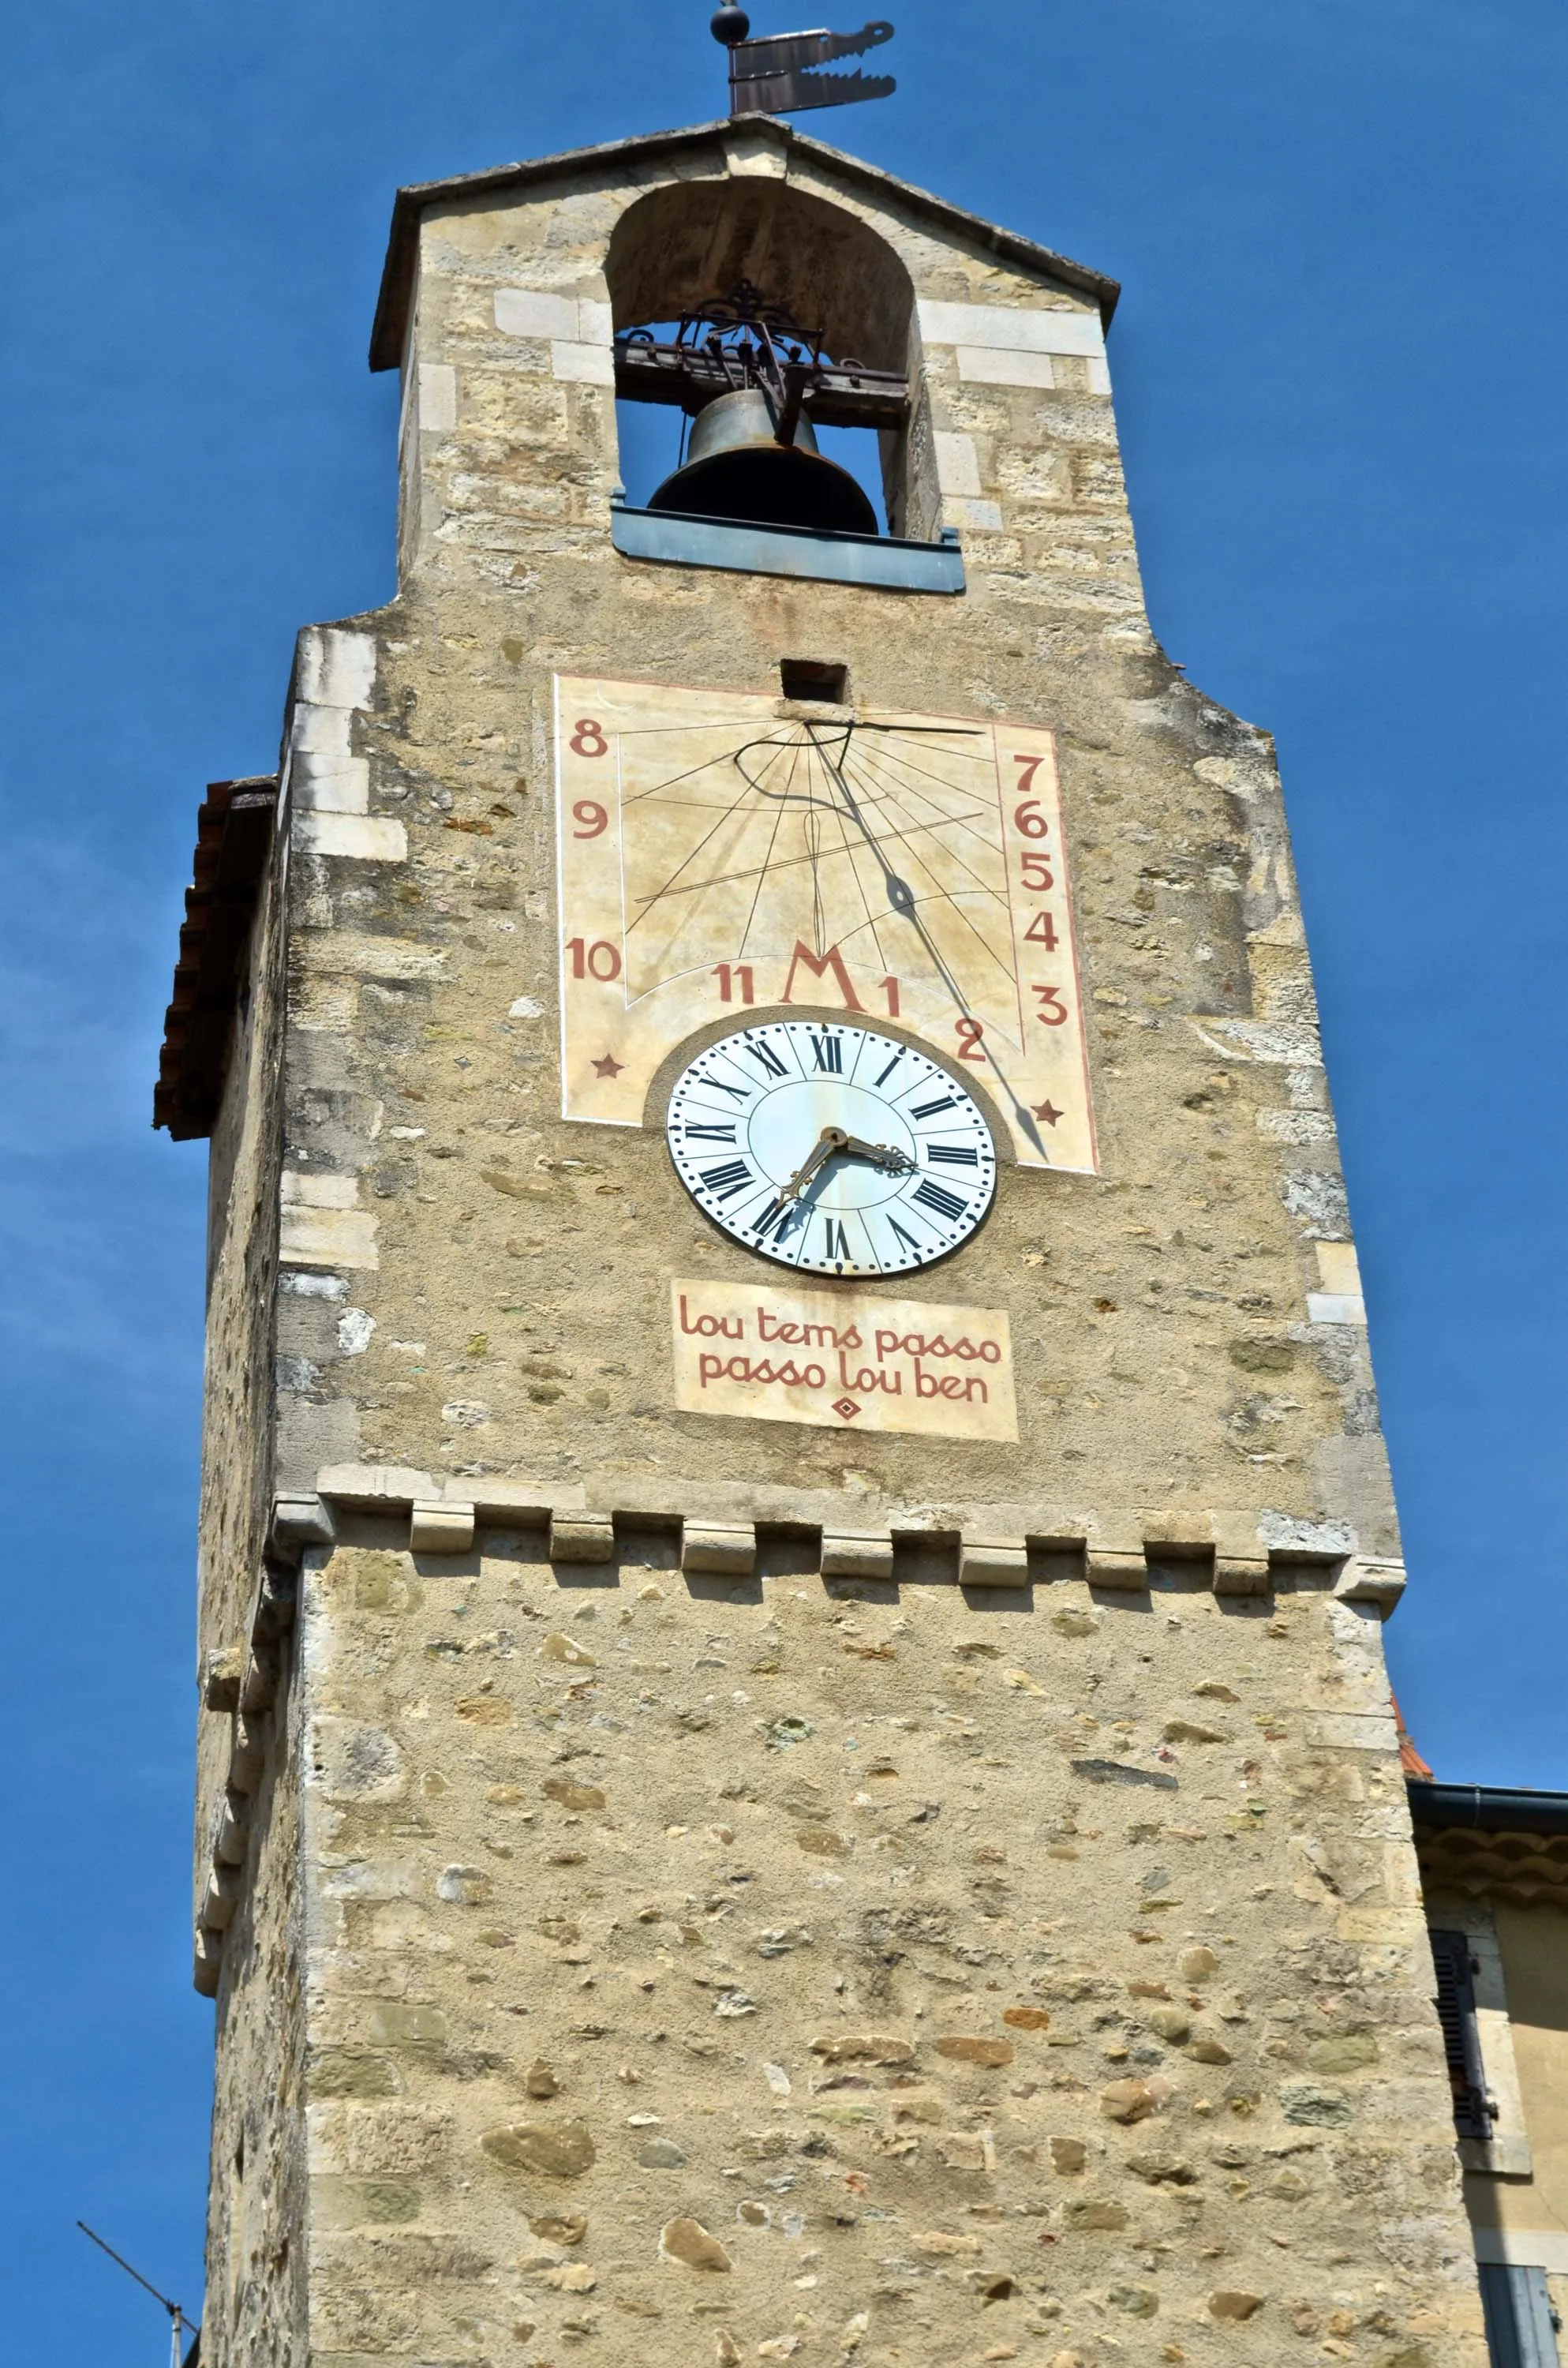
771,331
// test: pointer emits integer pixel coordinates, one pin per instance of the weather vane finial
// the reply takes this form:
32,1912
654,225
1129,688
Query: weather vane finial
774,76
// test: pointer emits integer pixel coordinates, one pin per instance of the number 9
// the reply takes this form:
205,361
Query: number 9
592,817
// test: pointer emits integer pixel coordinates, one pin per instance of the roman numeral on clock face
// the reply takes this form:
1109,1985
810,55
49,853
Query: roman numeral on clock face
726,1181
709,1133
827,1053
937,1197
929,1110
955,1156
768,1059
837,1245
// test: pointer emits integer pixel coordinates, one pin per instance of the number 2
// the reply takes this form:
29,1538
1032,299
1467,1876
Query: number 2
969,1032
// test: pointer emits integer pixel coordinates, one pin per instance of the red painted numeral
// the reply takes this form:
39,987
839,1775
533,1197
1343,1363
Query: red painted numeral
1052,1010
1037,874
1031,766
1041,931
970,1032
1029,821
592,817
600,961
890,988
732,975
588,739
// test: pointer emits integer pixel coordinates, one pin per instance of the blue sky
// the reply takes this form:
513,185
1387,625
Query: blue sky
1339,364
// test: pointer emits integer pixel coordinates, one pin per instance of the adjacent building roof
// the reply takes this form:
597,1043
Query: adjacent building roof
618,155
233,832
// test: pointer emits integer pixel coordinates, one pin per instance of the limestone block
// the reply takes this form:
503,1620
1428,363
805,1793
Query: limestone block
720,1547
957,463
993,1561
957,511
375,1488
1178,1536
440,1528
856,1553
207,1962
582,365
1010,328
524,1501
991,366
367,838
581,1537
534,312
436,397
337,667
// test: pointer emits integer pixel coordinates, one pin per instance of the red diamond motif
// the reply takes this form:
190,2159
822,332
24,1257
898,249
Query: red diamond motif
847,1407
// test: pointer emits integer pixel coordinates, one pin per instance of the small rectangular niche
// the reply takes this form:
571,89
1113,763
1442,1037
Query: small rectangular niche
811,679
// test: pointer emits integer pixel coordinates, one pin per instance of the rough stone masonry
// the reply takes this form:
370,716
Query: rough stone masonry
679,1889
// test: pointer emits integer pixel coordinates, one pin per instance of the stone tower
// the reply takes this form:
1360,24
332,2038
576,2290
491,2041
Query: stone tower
796,1758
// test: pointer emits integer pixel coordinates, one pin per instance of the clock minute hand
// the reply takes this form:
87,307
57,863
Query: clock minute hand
831,1139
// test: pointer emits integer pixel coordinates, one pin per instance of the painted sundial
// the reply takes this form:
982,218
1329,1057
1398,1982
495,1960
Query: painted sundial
724,854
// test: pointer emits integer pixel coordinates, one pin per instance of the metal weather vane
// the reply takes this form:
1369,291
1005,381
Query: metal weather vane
776,76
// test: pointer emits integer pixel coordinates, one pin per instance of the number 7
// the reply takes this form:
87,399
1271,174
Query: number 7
1031,766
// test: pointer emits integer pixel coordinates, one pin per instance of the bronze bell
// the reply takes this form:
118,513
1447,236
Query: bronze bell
736,468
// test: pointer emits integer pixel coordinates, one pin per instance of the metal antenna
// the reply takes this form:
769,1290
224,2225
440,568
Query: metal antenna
177,2319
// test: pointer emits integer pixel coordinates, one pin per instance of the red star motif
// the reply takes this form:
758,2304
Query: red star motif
1048,1111
608,1068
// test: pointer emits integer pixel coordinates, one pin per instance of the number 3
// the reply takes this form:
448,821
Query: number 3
1052,1010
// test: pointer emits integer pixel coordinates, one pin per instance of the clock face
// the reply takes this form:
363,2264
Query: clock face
831,1148
720,851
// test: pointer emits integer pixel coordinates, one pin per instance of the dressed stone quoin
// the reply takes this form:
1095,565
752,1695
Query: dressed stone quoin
796,1760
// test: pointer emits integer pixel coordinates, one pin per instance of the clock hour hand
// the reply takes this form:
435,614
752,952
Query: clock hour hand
881,1155
831,1139
833,1142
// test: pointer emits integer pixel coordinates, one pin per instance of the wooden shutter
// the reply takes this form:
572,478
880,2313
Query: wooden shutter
1461,2036
1521,2331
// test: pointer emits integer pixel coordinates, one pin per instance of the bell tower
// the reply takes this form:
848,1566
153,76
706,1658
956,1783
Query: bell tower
796,1758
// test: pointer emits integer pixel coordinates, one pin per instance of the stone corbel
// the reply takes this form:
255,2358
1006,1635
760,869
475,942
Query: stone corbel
440,1528
721,1549
1377,1579
856,1553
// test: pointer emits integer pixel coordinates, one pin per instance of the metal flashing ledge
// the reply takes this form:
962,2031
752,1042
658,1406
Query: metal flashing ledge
882,562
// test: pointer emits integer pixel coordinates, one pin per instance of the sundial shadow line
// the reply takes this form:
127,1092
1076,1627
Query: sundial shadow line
946,895
978,805
690,857
850,853
892,795
764,872
661,788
